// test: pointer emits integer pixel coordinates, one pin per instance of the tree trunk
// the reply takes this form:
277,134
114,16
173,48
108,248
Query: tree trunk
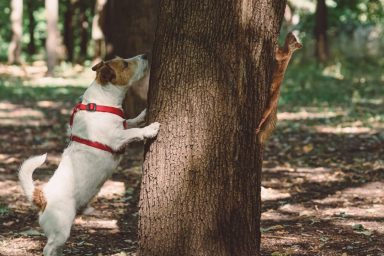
14,49
322,50
129,29
52,42
97,32
83,31
210,75
31,28
68,29
129,26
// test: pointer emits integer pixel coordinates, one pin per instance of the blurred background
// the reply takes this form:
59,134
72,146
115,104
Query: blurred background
323,175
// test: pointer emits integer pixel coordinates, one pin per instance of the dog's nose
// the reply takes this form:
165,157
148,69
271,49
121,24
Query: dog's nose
144,57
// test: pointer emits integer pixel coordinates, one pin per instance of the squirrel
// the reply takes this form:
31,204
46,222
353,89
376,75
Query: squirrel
282,58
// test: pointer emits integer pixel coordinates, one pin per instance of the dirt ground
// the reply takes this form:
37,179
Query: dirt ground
322,187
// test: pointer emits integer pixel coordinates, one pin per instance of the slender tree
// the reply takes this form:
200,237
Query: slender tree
53,36
97,32
31,27
211,71
69,29
321,26
84,26
14,49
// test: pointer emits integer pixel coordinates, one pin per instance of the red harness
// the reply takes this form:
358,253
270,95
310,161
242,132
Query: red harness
92,107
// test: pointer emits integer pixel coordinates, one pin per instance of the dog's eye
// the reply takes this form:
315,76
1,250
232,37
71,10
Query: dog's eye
126,64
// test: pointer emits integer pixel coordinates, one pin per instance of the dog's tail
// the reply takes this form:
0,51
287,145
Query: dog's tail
34,194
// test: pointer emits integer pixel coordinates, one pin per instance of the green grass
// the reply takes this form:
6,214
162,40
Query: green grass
4,210
354,86
336,84
16,90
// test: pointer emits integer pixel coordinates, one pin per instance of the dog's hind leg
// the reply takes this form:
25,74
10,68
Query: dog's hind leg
56,223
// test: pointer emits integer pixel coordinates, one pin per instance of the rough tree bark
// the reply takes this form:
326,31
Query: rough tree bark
211,71
129,29
321,25
14,49
52,42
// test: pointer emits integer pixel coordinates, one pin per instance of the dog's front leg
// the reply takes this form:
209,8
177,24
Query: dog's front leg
137,134
138,121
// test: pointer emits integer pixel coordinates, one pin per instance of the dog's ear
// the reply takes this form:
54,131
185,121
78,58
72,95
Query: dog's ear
105,74
98,66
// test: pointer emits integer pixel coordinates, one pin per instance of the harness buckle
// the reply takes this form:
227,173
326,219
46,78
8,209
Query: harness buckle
91,107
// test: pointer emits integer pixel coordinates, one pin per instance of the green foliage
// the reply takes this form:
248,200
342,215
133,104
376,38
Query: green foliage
353,13
5,32
342,82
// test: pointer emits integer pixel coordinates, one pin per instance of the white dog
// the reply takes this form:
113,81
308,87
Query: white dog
98,136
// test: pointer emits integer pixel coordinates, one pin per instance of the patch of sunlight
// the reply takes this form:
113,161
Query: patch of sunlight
54,81
272,194
370,101
65,111
304,114
125,254
16,115
6,106
21,112
373,190
8,159
112,189
306,5
18,246
4,157
274,215
299,209
362,202
97,223
343,130
301,175
48,104
8,187
333,71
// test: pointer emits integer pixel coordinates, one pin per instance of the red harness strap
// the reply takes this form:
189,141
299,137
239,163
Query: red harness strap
92,107
96,108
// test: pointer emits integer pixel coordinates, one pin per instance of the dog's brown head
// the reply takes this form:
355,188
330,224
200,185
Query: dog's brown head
119,71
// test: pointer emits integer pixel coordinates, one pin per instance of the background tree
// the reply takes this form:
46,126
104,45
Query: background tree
52,42
84,27
210,76
129,29
69,29
321,25
31,27
129,26
97,32
14,49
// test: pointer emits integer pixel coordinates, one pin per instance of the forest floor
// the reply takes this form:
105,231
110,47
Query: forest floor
322,192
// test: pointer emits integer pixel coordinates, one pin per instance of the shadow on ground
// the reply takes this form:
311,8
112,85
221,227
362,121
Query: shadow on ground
322,180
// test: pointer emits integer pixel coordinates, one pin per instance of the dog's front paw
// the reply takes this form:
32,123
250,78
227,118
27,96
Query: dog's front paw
151,130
